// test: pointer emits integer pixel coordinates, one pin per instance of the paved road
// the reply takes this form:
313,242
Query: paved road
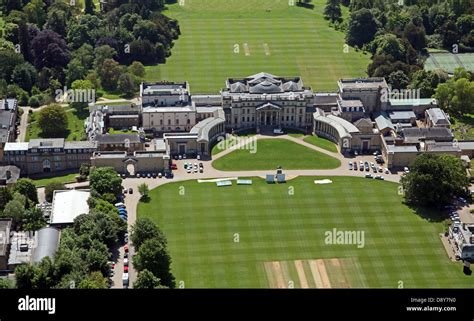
131,200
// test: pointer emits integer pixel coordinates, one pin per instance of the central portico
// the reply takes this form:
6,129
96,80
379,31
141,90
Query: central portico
267,101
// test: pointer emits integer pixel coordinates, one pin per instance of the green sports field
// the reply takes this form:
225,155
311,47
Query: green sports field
269,35
281,235
271,153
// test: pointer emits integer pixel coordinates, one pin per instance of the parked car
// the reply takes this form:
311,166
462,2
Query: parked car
366,164
148,175
380,177
138,175
386,171
169,175
173,166
184,156
180,157
350,165
355,166
125,269
368,176
125,261
154,175
380,169
188,171
198,157
125,248
130,190
406,170
160,175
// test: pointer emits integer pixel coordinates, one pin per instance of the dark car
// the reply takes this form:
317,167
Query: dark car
169,175
366,165
130,190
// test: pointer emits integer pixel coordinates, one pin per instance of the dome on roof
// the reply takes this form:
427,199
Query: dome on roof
238,87
290,86
265,87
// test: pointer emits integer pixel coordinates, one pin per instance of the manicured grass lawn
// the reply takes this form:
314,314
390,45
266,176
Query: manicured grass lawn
118,131
270,36
273,225
75,128
65,178
321,142
271,153
230,141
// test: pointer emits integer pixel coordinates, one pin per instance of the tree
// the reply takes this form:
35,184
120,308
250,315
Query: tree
105,180
433,180
85,91
75,71
89,7
427,81
109,74
101,54
26,187
415,35
49,50
24,75
24,275
137,69
15,209
36,13
398,80
144,229
95,280
153,256
84,170
52,120
33,219
8,284
332,11
126,84
5,197
388,44
146,280
9,59
457,94
362,28
50,188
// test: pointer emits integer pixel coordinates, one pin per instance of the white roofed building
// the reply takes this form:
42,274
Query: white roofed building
67,205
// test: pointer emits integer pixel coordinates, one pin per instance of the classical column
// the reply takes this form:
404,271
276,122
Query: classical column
265,117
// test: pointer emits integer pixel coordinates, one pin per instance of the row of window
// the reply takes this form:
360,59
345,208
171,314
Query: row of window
57,150
188,121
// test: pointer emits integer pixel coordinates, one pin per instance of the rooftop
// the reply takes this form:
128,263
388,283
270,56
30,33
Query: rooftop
437,116
48,242
401,115
46,143
413,102
16,147
118,138
69,204
358,84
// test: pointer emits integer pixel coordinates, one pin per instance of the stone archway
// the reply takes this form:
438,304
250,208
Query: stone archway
131,167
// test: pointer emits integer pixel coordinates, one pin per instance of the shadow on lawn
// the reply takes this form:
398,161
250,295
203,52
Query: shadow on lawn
428,213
